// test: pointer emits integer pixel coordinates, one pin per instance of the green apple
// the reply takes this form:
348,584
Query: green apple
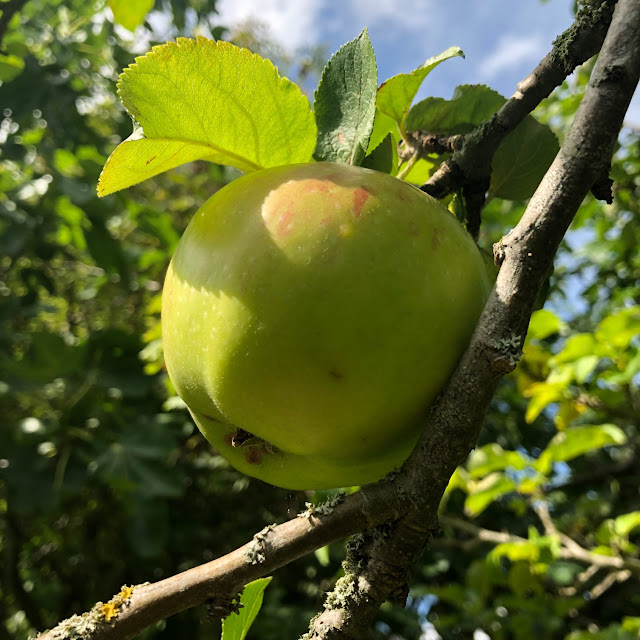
310,316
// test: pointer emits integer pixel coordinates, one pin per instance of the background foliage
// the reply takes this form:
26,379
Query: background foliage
103,478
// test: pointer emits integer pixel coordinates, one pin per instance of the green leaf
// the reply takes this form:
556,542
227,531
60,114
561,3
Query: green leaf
384,157
200,99
236,625
516,551
577,346
619,329
627,523
421,171
345,103
630,371
544,324
543,394
492,457
577,441
382,125
470,105
130,13
584,367
396,94
323,556
478,501
522,159
10,67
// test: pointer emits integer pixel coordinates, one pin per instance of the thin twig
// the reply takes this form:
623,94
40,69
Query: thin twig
570,549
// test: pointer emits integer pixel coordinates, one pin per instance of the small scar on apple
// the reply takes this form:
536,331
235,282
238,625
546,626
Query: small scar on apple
238,438
150,159
335,374
253,456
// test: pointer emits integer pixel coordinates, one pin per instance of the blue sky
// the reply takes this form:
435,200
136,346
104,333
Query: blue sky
503,39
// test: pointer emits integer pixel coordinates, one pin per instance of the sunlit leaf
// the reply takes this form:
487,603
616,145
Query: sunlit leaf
543,324
382,125
10,67
577,441
236,625
492,457
478,500
130,13
200,99
396,94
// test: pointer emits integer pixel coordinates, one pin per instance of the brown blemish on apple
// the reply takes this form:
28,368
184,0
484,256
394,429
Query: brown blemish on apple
413,228
150,159
210,418
228,439
360,196
436,238
254,456
335,374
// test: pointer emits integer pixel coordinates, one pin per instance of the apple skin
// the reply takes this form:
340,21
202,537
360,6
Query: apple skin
320,307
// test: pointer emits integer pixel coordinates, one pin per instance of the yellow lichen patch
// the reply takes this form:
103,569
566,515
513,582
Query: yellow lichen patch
109,610
112,608
125,592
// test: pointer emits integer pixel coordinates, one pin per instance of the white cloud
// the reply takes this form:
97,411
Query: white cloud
410,18
511,52
292,23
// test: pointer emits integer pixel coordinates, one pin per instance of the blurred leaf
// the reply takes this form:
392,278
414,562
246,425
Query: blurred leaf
576,346
236,625
397,93
619,329
208,100
322,555
130,13
542,394
345,103
492,457
576,441
543,324
10,67
482,495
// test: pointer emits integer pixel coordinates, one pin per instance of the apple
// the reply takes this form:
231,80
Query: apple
310,316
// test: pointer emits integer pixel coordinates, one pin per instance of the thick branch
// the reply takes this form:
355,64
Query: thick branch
526,255
222,579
